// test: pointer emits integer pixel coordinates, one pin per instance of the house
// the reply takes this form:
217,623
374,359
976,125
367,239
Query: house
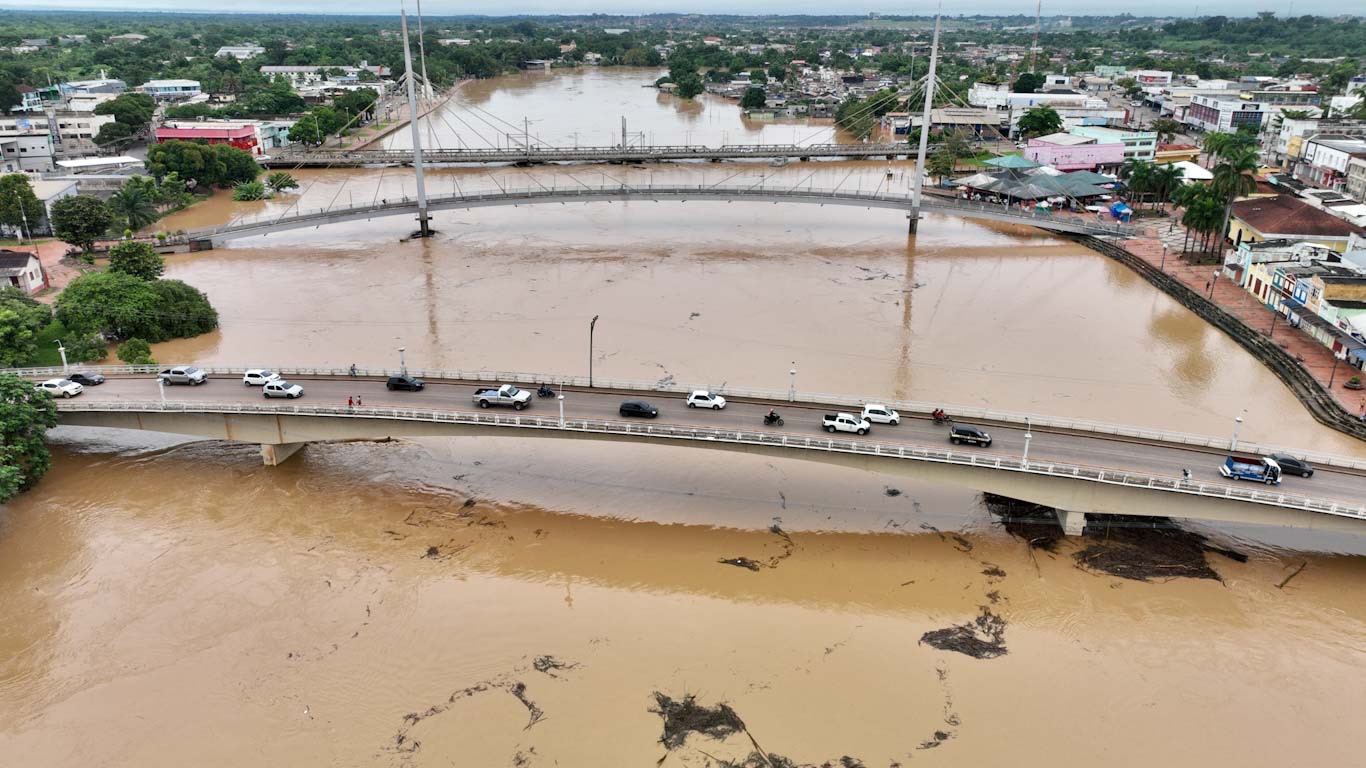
1326,157
29,100
240,52
238,134
170,90
1285,217
592,58
26,151
132,38
1138,145
1176,153
22,270
979,123
49,191
76,131
1151,76
460,41
304,75
1071,152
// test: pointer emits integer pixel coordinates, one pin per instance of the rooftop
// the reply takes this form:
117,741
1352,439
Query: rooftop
14,260
1285,215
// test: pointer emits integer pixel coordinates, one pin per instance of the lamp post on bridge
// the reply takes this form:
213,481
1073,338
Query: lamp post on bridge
61,350
592,324
161,387
402,364
1024,460
561,399
1237,425
792,383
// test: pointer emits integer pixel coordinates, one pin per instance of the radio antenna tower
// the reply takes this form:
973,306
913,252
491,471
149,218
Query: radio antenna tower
1034,49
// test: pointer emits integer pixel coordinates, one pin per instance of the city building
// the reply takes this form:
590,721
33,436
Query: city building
49,191
170,90
74,132
238,134
1150,76
29,100
979,123
240,52
302,76
1326,157
1071,152
1176,153
1222,114
1356,179
22,270
1284,217
1138,145
26,151
131,38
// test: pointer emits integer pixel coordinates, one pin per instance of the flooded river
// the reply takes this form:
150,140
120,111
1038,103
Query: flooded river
484,602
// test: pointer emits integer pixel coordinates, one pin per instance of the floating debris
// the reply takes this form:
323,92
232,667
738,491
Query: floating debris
982,638
741,562
685,716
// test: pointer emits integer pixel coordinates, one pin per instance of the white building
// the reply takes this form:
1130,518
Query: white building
170,90
1326,159
240,52
25,151
1151,76
1216,114
301,76
1138,145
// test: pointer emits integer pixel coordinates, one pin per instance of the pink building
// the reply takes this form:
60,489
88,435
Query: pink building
1067,152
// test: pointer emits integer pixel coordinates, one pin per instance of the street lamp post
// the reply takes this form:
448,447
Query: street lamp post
561,399
1272,332
792,383
161,387
1237,425
402,364
592,324
1337,358
1163,268
1028,436
61,350
1213,283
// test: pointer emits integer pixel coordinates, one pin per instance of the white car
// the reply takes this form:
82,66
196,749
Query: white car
62,387
257,377
703,399
281,388
881,414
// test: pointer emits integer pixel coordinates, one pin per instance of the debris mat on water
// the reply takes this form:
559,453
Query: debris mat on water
684,716
1132,548
981,638
758,759
741,562
1036,524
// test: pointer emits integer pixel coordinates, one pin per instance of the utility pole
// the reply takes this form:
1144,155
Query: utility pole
423,221
623,133
918,181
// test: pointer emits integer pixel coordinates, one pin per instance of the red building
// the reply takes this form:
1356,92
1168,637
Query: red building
236,134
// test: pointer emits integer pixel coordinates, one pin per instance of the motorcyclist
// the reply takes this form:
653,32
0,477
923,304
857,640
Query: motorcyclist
771,416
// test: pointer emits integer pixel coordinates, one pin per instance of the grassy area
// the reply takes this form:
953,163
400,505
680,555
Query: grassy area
10,243
47,345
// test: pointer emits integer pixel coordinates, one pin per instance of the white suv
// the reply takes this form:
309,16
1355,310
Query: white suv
704,399
881,414
62,387
257,377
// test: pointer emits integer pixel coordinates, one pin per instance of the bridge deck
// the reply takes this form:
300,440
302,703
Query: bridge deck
338,158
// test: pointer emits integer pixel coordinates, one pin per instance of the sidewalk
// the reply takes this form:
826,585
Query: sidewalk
1312,355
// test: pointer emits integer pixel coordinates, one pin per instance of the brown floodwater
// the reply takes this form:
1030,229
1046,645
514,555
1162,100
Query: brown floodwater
171,602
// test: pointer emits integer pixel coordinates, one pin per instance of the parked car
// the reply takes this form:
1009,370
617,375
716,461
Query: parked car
405,383
964,433
701,398
1293,466
257,377
881,414
87,378
638,408
61,388
281,388
845,422
183,374
508,394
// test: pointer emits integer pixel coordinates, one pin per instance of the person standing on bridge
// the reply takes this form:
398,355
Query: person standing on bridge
350,402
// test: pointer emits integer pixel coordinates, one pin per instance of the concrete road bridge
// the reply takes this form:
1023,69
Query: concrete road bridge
755,193
536,155
1077,467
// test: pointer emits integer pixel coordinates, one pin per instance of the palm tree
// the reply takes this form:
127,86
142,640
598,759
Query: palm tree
1166,180
1137,176
1234,177
1166,129
134,205
1215,146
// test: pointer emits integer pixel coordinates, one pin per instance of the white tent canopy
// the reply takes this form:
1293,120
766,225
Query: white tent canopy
1192,172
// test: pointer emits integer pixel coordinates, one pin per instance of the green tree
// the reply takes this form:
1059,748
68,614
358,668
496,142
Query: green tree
132,109
81,220
1166,180
941,164
91,347
689,86
238,165
359,101
115,304
641,56
1166,130
112,132
134,204
137,259
193,161
184,311
22,318
753,99
1138,178
1235,176
305,131
777,73
1040,121
135,352
1029,82
9,94
19,206
25,416
249,190
280,181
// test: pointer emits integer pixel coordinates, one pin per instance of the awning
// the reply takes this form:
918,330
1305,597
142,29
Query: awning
1356,348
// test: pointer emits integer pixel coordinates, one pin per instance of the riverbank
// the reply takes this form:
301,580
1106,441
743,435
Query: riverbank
366,137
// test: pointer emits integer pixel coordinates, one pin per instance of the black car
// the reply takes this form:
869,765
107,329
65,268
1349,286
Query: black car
87,378
405,383
638,408
962,433
1289,464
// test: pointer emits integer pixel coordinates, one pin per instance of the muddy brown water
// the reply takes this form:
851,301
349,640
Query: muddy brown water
173,603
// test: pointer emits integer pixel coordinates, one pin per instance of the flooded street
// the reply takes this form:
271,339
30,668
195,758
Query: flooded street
517,602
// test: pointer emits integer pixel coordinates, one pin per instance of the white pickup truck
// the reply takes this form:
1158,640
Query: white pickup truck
845,422
504,395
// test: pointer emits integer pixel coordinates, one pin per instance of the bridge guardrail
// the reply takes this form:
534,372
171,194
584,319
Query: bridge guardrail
919,408
872,199
833,444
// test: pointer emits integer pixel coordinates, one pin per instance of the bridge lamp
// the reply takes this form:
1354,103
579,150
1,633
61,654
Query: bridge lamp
1237,424
402,365
561,399
62,351
592,324
1028,436
792,383
161,387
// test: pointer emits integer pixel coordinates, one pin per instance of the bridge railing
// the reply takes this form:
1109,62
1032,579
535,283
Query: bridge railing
789,150
669,432
801,397
759,190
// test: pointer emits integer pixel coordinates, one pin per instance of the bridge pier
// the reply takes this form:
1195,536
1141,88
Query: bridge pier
275,454
1073,523
914,218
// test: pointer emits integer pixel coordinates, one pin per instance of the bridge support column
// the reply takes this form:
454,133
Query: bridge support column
914,218
1073,523
273,455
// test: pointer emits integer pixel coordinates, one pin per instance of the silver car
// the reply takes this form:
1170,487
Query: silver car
281,388
183,374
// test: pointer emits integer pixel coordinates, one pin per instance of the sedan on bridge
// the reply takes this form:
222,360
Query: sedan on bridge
881,414
258,377
281,388
1293,466
703,399
404,383
638,408
60,388
86,378
964,433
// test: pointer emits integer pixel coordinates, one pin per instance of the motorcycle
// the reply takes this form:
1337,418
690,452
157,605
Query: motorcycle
772,419
941,418
545,391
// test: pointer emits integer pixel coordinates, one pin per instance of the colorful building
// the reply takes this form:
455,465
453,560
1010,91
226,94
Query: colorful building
240,135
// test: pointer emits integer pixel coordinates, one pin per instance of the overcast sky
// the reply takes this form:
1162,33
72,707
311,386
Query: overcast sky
504,7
